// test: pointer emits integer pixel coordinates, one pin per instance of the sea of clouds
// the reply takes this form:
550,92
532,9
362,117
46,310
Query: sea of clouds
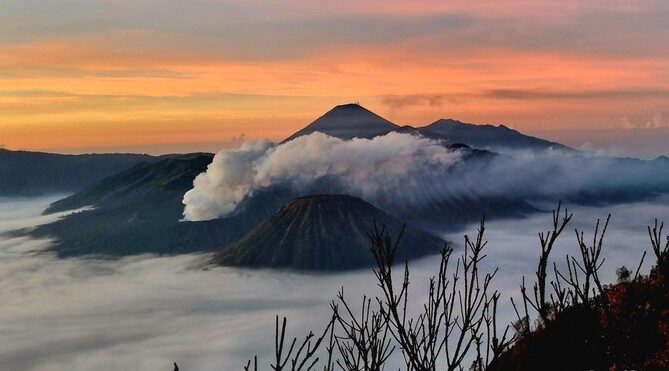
146,312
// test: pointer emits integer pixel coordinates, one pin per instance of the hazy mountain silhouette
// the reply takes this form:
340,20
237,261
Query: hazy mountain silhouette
321,232
486,136
24,173
348,121
352,120
662,160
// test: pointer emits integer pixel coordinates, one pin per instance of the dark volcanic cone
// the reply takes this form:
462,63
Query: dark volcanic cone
348,121
322,233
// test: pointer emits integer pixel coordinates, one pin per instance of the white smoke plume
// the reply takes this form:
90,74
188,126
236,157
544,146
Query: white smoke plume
227,180
383,167
405,172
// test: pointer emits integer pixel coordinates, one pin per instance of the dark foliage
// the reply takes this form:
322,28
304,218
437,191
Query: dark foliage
623,326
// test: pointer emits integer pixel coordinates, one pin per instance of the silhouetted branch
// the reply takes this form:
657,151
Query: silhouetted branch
456,308
522,325
661,252
364,344
638,269
583,276
655,235
497,344
301,358
538,300
255,364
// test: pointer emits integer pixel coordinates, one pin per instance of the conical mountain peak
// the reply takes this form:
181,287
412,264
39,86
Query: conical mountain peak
321,233
348,121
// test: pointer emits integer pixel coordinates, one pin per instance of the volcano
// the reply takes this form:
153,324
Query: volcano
348,121
490,137
322,233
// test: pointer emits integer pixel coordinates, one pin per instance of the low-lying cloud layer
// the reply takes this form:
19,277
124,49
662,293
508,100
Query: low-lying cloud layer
403,170
143,313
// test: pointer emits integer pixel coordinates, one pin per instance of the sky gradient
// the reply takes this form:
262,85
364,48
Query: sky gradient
166,75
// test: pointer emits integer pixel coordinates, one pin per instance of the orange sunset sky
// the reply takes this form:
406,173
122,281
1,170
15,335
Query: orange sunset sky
166,75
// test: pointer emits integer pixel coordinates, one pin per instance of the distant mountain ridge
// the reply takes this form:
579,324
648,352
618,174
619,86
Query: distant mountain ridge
489,137
24,173
352,120
321,233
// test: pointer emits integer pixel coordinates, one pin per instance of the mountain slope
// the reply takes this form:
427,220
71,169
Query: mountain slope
25,173
486,136
348,121
139,211
321,232
147,185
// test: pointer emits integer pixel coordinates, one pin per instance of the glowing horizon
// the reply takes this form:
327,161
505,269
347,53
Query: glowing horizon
81,75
